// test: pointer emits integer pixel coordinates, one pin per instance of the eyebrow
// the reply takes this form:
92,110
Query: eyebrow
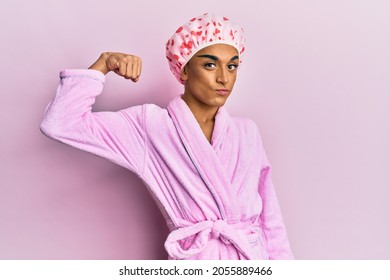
213,57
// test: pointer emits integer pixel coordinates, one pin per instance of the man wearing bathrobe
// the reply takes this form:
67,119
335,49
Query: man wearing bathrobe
208,170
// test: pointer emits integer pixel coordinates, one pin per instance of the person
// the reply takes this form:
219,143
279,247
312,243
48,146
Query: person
207,170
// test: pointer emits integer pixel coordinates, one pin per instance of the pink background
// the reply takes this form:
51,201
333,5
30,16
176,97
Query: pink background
315,78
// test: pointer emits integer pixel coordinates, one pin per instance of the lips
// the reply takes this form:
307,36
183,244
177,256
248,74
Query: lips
222,92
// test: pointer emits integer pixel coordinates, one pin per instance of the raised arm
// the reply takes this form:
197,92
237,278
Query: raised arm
117,136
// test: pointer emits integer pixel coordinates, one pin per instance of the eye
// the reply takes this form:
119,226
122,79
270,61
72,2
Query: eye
232,66
210,65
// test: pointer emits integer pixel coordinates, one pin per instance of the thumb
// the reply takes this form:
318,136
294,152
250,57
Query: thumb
113,64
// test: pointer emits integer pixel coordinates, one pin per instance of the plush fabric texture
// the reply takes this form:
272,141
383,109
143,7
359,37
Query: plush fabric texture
198,33
217,198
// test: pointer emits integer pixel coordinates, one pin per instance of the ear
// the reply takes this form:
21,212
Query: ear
184,73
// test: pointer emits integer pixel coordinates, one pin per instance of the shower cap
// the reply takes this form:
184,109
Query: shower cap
200,32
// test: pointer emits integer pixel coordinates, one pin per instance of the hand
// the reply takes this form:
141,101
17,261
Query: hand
125,65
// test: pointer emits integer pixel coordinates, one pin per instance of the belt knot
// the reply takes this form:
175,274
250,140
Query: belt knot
204,231
216,229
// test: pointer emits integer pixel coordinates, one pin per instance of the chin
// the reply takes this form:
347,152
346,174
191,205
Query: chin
219,101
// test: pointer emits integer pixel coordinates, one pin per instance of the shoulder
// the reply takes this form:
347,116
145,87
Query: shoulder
143,114
247,129
244,125
145,110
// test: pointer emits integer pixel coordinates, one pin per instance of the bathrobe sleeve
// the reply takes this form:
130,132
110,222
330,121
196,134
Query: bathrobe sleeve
117,136
271,220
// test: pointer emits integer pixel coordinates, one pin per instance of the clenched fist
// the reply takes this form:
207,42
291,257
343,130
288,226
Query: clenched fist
125,65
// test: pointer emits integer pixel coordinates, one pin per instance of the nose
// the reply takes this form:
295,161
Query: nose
222,76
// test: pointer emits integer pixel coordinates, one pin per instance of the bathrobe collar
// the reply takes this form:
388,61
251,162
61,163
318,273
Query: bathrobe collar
204,155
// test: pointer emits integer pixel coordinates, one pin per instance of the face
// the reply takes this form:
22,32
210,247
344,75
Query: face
210,75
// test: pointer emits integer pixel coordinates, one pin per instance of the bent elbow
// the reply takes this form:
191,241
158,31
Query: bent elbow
47,128
50,128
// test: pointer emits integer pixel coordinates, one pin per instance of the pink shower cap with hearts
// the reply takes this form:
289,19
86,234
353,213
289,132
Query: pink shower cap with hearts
198,33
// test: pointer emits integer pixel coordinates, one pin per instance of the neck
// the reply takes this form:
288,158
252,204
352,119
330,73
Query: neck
203,113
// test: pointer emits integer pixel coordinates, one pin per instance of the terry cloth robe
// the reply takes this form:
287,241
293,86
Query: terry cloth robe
217,198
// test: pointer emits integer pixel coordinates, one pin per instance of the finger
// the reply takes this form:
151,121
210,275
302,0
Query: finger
122,68
139,68
112,64
129,69
136,70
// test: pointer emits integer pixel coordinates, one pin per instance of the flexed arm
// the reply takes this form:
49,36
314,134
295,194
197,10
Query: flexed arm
117,136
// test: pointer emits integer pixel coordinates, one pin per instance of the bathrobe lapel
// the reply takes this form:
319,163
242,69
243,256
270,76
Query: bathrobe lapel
204,155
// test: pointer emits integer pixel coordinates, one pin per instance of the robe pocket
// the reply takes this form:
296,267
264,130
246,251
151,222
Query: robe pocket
253,237
256,240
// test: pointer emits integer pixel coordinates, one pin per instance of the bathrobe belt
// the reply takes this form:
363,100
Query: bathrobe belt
219,229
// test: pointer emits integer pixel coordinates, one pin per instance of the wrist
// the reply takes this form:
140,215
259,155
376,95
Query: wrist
100,64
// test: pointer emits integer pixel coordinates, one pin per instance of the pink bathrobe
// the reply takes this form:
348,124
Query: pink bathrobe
218,198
